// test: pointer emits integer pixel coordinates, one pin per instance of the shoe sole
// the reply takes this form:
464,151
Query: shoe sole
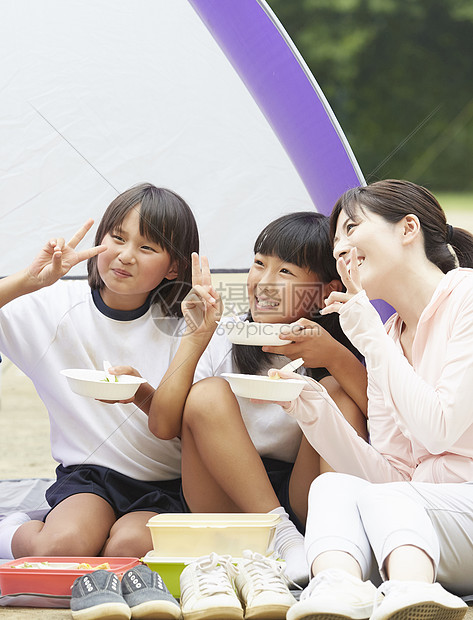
149,610
268,612
428,611
214,614
107,611
314,615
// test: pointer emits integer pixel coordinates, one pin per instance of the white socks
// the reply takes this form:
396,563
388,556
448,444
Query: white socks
8,527
289,546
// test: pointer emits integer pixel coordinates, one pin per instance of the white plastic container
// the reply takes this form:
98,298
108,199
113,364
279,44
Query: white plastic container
263,387
101,385
196,534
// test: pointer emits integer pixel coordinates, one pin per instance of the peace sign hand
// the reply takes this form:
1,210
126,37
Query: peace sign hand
351,280
57,258
202,306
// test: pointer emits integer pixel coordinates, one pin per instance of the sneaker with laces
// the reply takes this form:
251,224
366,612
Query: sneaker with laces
98,595
263,587
333,595
415,600
147,595
289,546
207,592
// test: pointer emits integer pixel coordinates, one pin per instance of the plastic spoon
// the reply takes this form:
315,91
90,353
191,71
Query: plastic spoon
294,365
106,367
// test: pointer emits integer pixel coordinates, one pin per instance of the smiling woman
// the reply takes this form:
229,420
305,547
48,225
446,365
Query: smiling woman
406,495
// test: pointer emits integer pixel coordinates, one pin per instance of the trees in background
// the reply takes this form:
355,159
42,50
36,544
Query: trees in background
399,77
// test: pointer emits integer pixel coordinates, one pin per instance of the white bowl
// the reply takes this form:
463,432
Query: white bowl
264,388
258,334
93,383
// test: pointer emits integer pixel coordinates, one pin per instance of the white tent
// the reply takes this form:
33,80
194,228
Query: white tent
98,95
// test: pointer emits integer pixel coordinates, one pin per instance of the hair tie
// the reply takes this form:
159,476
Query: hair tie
449,236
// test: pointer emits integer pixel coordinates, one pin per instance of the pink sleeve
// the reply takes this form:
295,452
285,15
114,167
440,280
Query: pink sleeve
337,441
435,415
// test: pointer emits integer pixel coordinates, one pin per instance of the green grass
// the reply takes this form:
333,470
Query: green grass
458,207
455,201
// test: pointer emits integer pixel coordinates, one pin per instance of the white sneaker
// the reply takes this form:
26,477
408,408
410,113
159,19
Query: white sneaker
207,592
289,546
333,595
262,587
416,600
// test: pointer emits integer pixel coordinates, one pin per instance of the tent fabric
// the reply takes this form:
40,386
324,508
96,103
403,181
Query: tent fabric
25,495
100,95
287,93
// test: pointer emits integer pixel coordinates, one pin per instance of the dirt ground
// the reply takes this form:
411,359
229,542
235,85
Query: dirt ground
65,614
29,613
24,435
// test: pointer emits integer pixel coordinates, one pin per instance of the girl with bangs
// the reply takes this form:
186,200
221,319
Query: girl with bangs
113,473
243,456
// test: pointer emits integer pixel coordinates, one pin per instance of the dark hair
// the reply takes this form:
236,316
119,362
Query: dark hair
303,239
165,219
394,199
300,238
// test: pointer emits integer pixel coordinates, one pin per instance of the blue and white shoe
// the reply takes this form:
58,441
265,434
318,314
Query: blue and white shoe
98,595
147,595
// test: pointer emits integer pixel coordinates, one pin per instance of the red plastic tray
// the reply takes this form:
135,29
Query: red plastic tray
53,581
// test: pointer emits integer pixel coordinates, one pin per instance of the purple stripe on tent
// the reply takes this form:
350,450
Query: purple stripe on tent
286,94
289,97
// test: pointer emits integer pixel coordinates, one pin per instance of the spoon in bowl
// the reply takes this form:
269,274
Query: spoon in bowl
293,365
106,366
290,367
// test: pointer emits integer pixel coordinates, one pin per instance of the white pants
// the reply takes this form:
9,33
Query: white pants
361,518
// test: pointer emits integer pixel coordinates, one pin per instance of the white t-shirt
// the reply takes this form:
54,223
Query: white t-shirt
61,327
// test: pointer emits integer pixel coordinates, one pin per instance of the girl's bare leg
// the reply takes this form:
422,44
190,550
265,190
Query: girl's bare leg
307,467
221,469
129,536
78,526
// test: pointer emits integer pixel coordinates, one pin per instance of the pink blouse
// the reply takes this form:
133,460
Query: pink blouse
420,416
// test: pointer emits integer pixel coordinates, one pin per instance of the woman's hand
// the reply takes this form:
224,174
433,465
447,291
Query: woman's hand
57,258
281,375
202,306
351,280
278,375
308,340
